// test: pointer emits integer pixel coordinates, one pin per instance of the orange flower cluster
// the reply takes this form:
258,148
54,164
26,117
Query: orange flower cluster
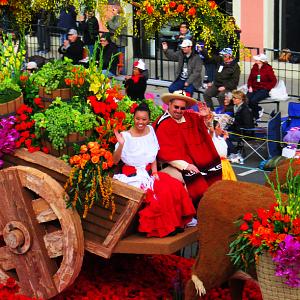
77,77
89,181
92,152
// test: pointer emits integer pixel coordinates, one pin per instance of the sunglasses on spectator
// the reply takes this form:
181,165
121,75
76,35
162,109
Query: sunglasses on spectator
179,107
102,40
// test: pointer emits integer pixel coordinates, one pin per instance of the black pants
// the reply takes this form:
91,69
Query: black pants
43,37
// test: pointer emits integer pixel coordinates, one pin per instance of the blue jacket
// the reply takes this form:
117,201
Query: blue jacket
67,18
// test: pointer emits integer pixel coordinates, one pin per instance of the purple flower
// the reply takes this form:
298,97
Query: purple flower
287,261
8,136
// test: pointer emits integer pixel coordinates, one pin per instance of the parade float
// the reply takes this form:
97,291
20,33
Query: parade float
58,207
56,186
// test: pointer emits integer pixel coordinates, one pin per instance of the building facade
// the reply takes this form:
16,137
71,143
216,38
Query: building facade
269,24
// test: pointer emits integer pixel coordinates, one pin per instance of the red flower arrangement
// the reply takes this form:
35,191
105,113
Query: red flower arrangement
25,126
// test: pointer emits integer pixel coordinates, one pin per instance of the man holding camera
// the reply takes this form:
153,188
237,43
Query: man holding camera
188,73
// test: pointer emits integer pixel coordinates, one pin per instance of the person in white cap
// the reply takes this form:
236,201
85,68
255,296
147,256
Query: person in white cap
31,67
189,71
261,80
136,84
72,47
226,78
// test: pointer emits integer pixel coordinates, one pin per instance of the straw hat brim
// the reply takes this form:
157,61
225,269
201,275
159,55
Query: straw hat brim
167,97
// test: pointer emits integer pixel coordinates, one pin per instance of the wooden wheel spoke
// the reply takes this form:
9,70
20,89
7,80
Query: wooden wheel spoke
6,259
54,243
43,211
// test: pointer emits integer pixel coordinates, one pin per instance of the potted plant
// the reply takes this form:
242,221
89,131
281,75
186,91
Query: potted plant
10,72
271,239
51,80
63,124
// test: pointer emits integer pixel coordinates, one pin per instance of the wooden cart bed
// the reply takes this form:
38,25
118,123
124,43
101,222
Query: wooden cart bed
103,236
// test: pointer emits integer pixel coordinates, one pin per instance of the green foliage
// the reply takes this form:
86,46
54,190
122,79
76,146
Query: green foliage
53,74
9,91
63,118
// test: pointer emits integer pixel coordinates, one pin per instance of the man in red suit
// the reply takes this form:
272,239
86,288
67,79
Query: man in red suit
185,145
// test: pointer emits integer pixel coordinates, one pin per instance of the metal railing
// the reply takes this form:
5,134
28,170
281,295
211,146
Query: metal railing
161,68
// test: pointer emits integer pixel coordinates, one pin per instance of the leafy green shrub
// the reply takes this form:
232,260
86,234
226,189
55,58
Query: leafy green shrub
53,74
63,118
9,91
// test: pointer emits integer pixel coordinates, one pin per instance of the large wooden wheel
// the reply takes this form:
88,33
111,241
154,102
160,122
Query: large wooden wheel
42,241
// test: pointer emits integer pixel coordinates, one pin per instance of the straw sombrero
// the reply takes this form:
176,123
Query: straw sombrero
178,95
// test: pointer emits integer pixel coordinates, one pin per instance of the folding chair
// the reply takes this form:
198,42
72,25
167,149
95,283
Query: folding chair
268,136
293,118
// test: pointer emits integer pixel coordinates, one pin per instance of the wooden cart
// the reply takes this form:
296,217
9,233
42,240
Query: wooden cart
43,242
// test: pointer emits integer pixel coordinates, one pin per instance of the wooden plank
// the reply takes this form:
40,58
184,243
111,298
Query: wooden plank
54,243
139,244
121,225
48,161
99,220
93,244
43,211
95,229
126,191
104,213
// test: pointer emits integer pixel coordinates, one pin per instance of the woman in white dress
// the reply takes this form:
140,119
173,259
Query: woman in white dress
168,207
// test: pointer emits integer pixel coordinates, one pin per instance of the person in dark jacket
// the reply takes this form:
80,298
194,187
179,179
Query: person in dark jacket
261,80
43,32
109,55
136,84
66,21
188,74
89,27
72,47
226,79
209,61
243,118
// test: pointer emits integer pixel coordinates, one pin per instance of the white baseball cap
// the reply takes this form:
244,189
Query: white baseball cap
31,65
261,57
186,43
140,65
72,31
226,51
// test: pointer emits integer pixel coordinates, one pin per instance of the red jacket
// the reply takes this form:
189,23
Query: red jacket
267,77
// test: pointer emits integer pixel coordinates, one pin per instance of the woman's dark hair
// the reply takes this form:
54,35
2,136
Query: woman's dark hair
184,23
215,123
143,106
106,36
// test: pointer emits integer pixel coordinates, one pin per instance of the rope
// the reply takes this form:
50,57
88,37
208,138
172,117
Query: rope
262,139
